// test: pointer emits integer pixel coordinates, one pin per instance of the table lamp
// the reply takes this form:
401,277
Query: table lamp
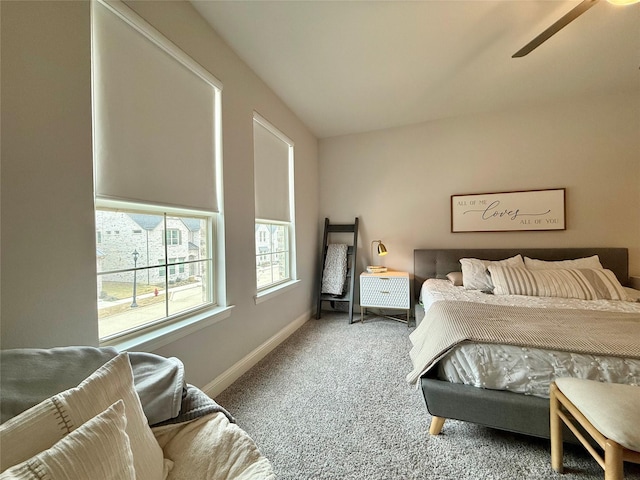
382,250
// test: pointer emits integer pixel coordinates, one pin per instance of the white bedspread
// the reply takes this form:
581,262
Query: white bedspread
521,369
212,448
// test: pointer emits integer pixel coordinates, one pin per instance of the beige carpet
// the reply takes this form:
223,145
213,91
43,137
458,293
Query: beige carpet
331,403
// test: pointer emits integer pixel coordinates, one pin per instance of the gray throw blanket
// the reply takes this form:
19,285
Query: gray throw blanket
29,376
335,269
195,404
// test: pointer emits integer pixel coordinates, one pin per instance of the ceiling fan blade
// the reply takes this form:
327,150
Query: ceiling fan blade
556,27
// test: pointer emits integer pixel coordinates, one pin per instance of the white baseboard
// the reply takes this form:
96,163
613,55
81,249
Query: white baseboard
224,380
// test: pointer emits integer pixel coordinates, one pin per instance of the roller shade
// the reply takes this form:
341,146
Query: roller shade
154,119
271,168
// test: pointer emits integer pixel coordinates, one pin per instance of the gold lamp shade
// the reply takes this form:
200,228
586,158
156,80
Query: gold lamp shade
382,250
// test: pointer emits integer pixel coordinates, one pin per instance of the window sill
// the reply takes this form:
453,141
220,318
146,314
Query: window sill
269,293
148,341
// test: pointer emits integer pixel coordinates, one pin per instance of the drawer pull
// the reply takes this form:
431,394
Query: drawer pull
385,292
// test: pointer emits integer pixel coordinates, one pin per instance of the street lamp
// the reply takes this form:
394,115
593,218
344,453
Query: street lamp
135,272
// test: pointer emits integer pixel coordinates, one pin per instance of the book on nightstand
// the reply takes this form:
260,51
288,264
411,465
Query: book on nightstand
376,269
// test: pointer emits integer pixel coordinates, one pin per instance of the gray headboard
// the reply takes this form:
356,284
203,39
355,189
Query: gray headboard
436,263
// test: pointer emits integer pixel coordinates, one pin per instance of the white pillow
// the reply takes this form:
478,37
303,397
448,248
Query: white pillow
48,422
585,284
586,262
98,449
455,278
475,274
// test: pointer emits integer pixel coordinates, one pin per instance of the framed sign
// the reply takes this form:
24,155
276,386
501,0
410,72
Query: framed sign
509,211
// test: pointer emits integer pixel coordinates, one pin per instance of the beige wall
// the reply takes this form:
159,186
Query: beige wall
48,245
399,181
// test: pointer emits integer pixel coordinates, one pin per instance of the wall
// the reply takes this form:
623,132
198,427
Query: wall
47,186
48,247
399,181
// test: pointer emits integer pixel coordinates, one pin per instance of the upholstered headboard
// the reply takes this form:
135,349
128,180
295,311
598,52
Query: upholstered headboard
436,263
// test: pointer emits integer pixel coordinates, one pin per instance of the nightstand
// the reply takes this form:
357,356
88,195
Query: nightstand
385,290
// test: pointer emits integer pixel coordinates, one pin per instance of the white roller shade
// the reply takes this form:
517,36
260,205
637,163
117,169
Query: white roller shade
271,168
154,120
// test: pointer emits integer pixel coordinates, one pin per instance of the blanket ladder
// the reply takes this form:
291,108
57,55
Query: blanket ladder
349,288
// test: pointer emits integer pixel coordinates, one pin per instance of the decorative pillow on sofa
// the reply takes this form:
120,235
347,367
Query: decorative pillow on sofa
586,262
584,284
38,428
475,275
98,449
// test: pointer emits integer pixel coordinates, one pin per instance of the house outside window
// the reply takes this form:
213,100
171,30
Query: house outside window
274,191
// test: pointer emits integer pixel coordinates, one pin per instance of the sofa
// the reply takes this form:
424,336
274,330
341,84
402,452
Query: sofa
87,412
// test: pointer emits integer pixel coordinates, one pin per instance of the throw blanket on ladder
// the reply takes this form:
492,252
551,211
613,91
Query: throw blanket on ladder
335,269
448,323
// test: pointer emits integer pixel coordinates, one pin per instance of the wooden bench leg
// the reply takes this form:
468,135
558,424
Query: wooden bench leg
613,463
556,431
436,425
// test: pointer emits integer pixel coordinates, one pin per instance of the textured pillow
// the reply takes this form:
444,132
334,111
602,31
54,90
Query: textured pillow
455,278
585,284
48,422
475,275
586,262
98,449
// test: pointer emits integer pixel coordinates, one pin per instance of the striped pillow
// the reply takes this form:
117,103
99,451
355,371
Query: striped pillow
584,283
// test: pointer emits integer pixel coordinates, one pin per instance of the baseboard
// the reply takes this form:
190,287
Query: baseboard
224,380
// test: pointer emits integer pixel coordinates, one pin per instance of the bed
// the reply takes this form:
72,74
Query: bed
524,411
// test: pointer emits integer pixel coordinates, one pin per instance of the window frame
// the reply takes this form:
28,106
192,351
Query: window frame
161,333
168,267
171,329
270,224
267,291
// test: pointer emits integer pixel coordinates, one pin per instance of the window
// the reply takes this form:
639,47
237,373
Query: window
174,237
272,262
274,227
159,268
162,271
135,289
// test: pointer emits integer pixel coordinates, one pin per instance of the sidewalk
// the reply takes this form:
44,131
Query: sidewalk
180,299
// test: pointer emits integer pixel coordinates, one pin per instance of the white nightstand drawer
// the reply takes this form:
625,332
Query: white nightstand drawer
385,290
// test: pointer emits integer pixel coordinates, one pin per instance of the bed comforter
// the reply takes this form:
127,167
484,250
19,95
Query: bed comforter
448,323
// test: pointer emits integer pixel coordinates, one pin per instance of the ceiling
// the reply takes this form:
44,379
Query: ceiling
354,66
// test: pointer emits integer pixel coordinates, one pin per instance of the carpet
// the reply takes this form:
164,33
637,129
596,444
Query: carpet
331,402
